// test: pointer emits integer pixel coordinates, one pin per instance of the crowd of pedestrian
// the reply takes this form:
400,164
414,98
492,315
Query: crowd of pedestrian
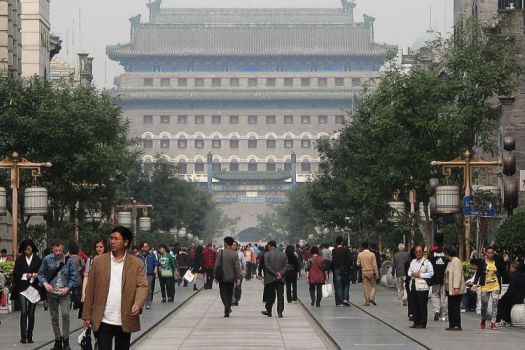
439,275
111,286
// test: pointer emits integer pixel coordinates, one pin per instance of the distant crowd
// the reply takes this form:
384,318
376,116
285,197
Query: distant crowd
112,283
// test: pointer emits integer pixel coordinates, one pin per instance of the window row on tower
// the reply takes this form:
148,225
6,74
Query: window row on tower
234,143
199,166
235,119
253,82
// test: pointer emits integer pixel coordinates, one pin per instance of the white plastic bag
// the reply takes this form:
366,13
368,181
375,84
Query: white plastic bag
189,276
328,290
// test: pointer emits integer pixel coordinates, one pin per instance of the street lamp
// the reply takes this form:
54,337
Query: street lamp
15,163
466,163
134,206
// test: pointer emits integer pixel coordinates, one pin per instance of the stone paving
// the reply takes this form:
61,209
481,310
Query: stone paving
352,328
435,336
200,325
10,334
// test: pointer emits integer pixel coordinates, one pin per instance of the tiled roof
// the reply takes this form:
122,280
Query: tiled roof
248,40
244,15
235,94
251,175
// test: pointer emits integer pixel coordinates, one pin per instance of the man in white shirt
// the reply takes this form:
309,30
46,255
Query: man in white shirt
110,275
420,272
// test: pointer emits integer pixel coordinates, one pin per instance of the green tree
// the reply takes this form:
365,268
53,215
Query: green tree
80,131
411,117
176,203
511,234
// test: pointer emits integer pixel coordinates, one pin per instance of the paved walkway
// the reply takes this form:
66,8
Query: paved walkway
435,336
10,329
352,328
200,324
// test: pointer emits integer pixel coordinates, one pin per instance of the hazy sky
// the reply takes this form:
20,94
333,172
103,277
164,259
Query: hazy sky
91,25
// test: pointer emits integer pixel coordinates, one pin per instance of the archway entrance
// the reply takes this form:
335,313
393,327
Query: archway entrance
250,235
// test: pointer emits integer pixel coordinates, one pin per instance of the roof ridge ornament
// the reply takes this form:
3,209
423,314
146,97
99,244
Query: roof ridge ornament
154,5
135,19
348,5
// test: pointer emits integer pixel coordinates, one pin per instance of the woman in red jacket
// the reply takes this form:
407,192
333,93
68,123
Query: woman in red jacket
316,276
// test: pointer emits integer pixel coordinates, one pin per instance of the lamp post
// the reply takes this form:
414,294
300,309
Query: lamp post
134,206
467,163
15,163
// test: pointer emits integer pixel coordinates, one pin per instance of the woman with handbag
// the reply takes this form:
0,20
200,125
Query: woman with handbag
420,271
167,267
26,289
316,276
198,265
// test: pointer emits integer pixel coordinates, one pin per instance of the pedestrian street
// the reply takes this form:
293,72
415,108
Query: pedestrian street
200,324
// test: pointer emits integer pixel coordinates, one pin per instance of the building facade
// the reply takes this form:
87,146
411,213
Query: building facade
38,44
254,88
10,38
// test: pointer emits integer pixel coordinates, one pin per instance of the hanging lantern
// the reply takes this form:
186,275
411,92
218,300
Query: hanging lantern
145,224
93,216
447,199
3,201
190,236
35,201
311,236
124,219
201,241
398,210
182,232
173,232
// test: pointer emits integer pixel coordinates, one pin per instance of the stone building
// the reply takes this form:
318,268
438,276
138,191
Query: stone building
38,44
26,45
254,88
10,38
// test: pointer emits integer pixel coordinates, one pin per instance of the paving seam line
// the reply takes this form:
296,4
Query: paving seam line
392,327
140,337
164,318
314,319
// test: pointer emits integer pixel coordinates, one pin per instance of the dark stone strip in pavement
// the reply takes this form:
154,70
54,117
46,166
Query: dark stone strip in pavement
149,318
144,332
353,328
435,337
397,329
319,324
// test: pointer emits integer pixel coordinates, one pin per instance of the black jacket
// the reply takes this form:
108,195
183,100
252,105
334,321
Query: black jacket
341,259
516,289
481,273
22,268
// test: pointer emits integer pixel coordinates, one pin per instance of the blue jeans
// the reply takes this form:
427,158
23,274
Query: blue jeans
342,286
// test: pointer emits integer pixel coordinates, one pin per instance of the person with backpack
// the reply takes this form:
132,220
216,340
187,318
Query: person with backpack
439,297
26,289
76,293
166,271
58,275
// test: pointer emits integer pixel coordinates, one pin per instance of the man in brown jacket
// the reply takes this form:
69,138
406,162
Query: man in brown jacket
366,260
116,291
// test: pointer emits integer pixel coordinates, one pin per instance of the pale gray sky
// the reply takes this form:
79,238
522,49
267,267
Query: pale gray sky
91,25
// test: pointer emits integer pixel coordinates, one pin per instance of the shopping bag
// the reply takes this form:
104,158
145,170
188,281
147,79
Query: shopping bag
84,339
189,276
328,290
